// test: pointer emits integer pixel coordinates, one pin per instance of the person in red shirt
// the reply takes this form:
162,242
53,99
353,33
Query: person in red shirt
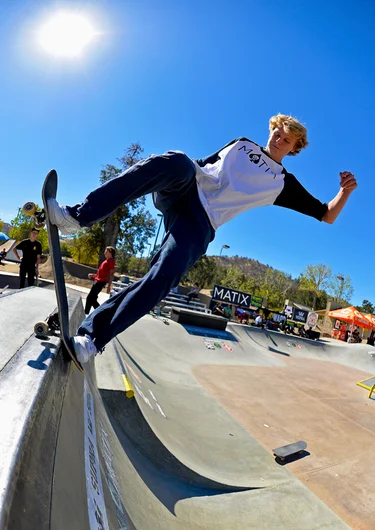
103,275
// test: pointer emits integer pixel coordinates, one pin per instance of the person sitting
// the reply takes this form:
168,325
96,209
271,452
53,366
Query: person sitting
218,310
193,293
3,255
355,336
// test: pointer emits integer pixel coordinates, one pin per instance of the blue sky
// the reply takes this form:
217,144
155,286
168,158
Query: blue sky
193,75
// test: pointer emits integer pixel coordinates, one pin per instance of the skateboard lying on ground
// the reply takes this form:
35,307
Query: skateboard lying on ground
40,218
291,449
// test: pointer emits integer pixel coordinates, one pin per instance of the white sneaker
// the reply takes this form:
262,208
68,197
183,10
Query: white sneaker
84,348
60,216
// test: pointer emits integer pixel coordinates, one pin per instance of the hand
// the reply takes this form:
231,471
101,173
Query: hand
347,181
109,287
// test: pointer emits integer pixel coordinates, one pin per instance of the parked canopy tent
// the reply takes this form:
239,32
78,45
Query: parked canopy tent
353,316
3,237
371,318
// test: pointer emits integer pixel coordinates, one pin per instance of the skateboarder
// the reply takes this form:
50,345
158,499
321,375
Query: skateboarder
104,274
31,252
195,197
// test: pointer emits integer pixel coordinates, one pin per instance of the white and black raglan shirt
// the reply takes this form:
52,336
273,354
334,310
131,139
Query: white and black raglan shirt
242,176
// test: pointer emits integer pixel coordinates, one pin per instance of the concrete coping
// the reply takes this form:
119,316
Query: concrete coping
33,376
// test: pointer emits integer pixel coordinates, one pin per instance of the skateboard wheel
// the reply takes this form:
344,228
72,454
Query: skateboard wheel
41,328
29,208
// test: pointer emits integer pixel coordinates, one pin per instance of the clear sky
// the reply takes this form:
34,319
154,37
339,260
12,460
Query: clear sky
193,75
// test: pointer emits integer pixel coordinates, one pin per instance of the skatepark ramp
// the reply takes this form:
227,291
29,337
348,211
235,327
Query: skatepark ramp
76,453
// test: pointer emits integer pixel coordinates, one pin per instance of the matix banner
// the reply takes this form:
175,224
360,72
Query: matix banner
231,296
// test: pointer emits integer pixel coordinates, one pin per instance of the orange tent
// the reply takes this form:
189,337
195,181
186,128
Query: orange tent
371,318
353,316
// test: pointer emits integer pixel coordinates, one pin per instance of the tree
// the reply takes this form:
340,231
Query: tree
1,225
366,307
127,229
21,227
203,272
234,278
65,250
340,288
314,279
274,288
130,225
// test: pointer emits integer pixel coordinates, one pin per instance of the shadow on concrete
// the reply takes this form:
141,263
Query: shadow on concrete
116,343
39,363
174,481
291,458
210,332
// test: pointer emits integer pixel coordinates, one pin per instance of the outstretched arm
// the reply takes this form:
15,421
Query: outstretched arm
348,184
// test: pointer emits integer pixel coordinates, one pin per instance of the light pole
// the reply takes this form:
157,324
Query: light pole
342,279
157,233
223,246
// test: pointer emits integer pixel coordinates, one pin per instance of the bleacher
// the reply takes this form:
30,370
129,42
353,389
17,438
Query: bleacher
181,300
171,300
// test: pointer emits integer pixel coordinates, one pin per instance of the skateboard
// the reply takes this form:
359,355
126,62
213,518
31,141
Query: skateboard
40,218
291,449
50,325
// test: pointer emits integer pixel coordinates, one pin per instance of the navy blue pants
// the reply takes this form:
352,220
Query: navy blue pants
171,179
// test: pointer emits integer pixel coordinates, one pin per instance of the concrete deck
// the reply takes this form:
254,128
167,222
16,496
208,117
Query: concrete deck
194,449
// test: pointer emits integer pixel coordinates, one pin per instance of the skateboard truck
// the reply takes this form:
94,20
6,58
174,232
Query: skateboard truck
38,215
50,325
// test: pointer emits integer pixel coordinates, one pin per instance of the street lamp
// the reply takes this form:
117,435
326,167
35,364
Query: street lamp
157,234
223,246
342,279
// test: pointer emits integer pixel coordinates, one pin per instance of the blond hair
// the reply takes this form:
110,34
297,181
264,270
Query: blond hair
294,127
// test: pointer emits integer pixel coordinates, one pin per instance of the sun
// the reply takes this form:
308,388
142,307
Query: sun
66,35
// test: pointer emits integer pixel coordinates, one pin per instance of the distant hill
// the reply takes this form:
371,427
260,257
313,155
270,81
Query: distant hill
249,266
6,228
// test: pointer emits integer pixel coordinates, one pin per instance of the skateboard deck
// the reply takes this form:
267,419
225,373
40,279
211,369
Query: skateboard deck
49,191
291,449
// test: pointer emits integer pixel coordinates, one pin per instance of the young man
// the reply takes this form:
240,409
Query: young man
31,252
195,197
104,274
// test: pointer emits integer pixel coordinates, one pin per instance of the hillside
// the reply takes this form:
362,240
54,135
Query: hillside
249,266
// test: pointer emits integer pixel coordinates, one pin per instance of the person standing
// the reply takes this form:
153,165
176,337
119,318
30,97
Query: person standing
31,253
104,274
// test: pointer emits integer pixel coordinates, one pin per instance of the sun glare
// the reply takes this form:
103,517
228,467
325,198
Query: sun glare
66,35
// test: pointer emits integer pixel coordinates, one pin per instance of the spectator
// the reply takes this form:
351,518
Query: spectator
193,292
259,321
218,309
3,255
31,252
104,274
